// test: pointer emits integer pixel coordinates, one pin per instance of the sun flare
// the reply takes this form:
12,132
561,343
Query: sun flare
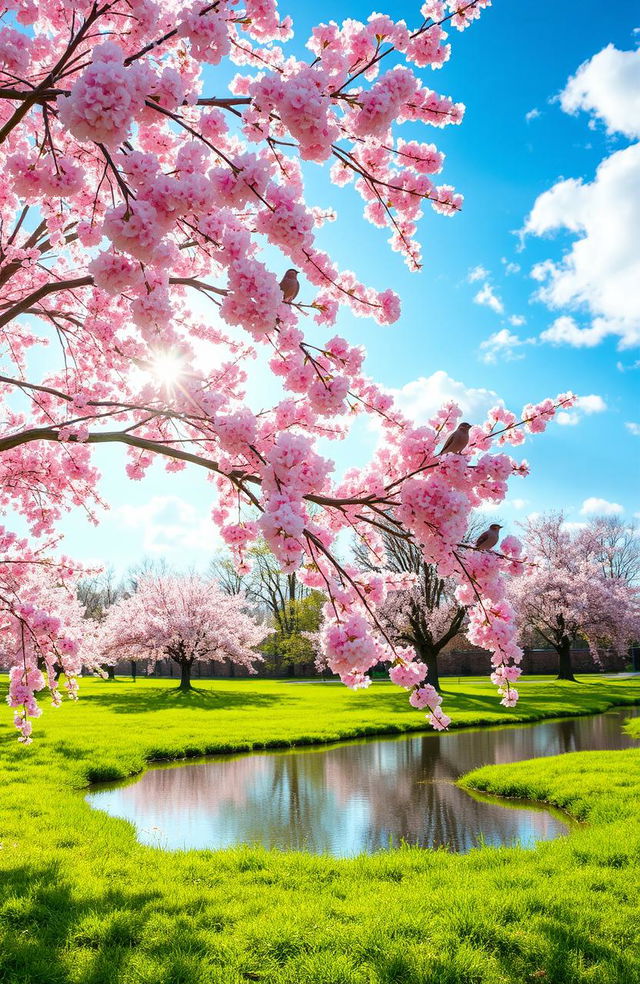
166,367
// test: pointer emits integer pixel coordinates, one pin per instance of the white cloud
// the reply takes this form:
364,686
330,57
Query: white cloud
600,271
505,344
583,405
590,404
567,419
565,331
608,87
509,267
600,507
517,503
633,428
422,397
562,207
488,298
477,273
533,114
517,320
169,524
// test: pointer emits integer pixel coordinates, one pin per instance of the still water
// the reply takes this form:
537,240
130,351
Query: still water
359,797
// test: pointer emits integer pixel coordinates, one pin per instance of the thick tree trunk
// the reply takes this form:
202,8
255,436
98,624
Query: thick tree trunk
565,669
133,670
433,675
429,655
185,675
111,672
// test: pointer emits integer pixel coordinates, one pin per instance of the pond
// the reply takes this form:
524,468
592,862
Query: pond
356,797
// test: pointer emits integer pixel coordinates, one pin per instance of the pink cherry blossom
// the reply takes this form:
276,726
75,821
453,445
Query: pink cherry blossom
106,97
184,619
565,594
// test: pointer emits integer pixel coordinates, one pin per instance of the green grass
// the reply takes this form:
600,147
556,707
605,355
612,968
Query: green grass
81,901
633,727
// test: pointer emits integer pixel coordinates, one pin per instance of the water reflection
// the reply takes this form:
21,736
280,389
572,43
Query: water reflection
353,798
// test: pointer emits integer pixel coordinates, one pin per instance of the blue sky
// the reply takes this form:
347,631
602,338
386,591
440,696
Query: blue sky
515,144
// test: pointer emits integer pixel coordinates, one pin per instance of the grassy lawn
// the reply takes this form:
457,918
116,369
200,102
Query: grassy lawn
82,901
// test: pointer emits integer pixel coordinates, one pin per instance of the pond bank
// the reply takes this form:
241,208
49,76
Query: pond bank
355,797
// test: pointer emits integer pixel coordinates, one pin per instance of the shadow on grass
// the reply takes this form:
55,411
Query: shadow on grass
42,917
57,933
163,698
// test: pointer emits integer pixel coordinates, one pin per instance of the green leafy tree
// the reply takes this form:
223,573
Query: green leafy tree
295,639
291,609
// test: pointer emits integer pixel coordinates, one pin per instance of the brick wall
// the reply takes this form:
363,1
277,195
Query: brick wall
463,661
472,661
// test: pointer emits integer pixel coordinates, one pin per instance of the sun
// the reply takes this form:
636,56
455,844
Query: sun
166,367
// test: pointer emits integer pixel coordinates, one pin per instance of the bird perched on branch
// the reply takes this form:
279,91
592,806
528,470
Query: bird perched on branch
458,440
488,539
290,285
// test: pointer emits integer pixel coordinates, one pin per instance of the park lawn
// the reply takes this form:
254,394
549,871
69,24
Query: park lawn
81,901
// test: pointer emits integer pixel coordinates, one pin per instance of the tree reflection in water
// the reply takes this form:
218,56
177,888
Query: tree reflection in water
357,797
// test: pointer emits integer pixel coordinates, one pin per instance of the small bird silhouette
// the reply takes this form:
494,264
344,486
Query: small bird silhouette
488,539
289,285
458,440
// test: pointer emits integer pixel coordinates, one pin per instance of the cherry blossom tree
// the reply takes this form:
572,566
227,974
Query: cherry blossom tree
137,203
186,619
616,545
44,633
566,595
425,615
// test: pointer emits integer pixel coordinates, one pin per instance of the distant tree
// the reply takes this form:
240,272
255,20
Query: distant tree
565,594
282,599
229,578
186,619
425,616
145,567
97,594
616,547
295,639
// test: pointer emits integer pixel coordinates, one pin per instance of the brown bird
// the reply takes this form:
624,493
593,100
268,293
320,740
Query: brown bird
289,285
458,440
488,539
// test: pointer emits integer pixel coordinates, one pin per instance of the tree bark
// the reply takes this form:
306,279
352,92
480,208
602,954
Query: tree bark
185,674
429,655
565,669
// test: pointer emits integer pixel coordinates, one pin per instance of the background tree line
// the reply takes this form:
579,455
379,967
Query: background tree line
582,586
